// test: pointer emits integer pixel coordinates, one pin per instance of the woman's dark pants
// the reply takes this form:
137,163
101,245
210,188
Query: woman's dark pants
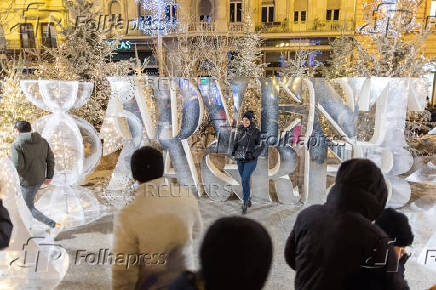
245,170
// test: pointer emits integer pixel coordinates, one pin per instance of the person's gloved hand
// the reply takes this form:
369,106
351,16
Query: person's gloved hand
249,155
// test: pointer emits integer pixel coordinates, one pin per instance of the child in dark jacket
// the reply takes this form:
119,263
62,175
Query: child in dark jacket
396,226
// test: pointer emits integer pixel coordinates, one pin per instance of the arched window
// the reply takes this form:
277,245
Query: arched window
142,11
205,10
144,15
115,8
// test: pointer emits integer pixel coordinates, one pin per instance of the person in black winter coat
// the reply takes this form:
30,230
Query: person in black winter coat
5,227
247,147
336,245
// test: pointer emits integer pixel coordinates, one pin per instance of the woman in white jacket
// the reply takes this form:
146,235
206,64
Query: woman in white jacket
153,236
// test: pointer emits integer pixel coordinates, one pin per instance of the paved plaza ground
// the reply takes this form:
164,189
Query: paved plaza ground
277,218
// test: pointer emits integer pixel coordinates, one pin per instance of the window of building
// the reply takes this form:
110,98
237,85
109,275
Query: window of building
301,8
115,8
236,12
27,36
264,14
328,15
142,11
205,10
303,16
48,34
333,8
433,8
171,12
336,14
267,13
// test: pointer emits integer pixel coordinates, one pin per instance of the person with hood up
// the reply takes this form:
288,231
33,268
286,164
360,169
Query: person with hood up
336,245
32,157
246,149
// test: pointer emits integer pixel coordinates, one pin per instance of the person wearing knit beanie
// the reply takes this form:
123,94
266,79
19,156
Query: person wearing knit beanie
247,146
249,115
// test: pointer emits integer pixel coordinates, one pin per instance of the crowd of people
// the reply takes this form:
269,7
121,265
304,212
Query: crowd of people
350,242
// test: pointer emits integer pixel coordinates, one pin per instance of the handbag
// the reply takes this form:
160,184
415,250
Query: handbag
241,152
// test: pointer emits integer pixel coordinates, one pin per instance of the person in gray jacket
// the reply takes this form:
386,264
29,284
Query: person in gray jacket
34,161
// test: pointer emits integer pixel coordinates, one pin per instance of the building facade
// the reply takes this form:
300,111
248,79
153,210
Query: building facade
30,24
286,25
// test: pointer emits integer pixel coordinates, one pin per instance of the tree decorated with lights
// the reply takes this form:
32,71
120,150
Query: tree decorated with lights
395,39
84,54
302,65
341,59
158,24
247,58
13,104
389,44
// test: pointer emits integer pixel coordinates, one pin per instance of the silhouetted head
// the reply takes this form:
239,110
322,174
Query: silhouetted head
147,164
236,253
247,118
360,187
23,126
396,226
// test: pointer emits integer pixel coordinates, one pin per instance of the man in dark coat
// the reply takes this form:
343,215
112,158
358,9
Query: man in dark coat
336,245
5,227
34,161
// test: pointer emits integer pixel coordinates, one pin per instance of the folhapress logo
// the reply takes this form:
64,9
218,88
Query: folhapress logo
37,254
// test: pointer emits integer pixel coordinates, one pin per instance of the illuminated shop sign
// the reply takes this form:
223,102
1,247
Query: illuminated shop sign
122,45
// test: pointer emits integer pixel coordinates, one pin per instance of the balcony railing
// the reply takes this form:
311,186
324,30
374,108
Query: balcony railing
201,26
236,27
307,26
39,43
